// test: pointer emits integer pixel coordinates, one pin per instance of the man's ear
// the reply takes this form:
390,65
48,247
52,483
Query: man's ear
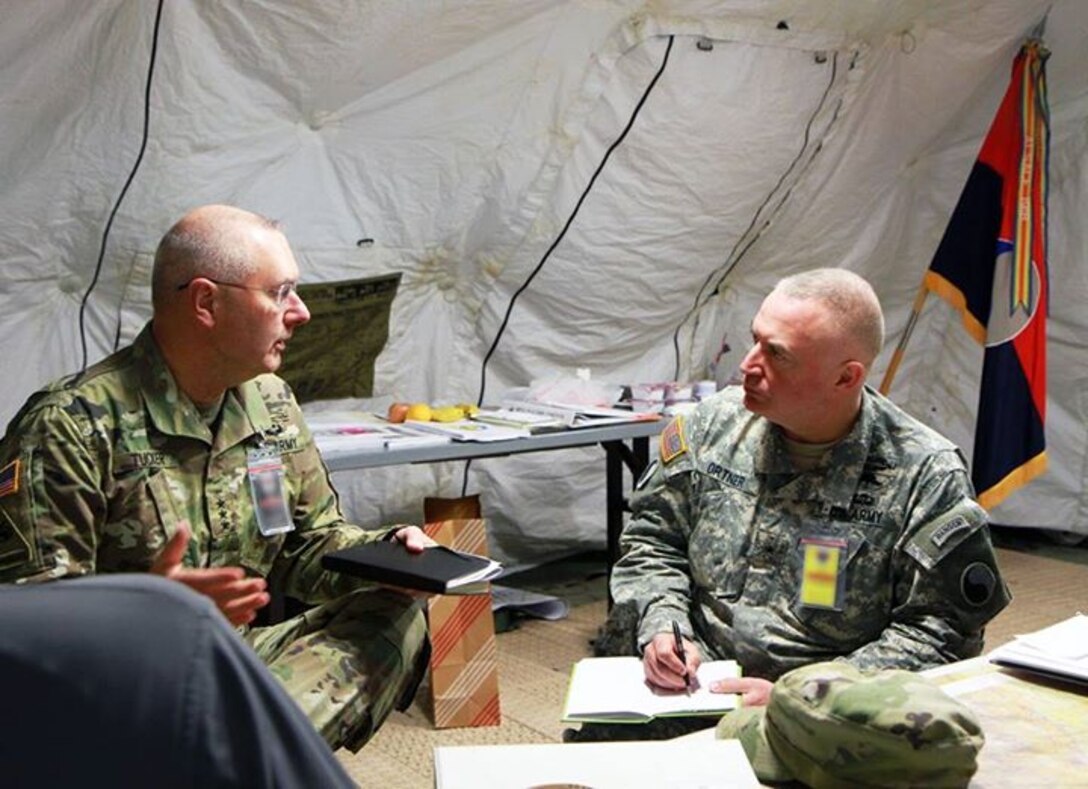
202,302
852,375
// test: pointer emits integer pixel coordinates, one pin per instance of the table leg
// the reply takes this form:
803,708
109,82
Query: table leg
618,455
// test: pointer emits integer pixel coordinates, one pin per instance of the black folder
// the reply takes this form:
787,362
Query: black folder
436,569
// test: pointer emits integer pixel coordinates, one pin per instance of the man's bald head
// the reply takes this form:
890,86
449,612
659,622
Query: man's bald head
851,305
214,241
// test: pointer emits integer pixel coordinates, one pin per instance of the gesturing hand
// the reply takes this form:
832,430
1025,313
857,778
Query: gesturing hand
236,596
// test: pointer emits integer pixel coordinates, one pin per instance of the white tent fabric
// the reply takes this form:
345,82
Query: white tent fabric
462,137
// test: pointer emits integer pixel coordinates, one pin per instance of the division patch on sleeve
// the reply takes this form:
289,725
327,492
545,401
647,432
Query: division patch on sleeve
672,441
9,478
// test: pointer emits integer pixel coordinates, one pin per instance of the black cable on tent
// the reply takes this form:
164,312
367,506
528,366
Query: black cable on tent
744,243
570,220
121,196
562,234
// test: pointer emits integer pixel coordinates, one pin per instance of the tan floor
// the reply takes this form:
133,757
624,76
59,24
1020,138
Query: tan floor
535,661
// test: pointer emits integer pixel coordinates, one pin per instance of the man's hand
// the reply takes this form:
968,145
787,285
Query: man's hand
413,538
755,692
663,666
236,596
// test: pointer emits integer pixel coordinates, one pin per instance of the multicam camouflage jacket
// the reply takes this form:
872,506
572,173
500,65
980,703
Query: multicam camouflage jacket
878,555
98,470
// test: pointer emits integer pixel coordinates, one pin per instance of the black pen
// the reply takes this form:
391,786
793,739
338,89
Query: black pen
680,653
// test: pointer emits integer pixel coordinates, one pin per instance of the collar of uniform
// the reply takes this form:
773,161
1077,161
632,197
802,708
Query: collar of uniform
171,411
771,457
848,456
244,413
841,472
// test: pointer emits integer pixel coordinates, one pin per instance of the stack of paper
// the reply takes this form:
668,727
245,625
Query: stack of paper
469,430
349,431
1060,650
576,416
525,420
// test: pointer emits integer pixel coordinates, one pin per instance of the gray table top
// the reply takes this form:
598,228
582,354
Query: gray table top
343,459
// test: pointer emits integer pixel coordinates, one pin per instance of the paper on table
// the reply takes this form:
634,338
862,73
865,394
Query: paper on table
1061,649
614,689
519,418
1066,639
577,416
470,430
338,431
359,430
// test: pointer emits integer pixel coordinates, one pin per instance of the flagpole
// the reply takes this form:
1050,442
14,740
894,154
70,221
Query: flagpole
901,348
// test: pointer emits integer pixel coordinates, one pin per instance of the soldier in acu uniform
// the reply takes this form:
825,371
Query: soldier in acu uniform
184,455
803,517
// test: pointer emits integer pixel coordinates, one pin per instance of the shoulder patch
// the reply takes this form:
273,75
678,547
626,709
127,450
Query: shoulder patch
947,531
9,478
935,540
977,583
673,444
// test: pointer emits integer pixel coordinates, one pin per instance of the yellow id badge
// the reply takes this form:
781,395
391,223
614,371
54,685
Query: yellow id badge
823,560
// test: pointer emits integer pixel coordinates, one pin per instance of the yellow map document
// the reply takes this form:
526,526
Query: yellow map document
614,690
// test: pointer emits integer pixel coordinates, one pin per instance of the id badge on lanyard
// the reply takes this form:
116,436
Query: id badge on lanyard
266,486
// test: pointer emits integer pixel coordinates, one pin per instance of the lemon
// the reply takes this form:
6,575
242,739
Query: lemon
420,412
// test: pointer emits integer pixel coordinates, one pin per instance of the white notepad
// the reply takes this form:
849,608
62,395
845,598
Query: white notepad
614,690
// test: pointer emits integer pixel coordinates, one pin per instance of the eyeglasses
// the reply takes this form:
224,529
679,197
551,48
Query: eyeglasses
278,294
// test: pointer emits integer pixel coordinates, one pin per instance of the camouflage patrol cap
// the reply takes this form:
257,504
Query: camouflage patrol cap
831,725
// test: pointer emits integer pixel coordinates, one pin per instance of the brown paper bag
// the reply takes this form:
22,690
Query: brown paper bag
463,508
464,661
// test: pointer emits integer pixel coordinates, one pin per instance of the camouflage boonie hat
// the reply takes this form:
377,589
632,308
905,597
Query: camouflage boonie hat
831,725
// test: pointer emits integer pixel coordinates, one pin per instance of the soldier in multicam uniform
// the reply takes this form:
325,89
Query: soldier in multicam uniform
183,455
803,517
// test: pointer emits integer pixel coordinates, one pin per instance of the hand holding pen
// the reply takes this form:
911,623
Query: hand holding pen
659,660
679,643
